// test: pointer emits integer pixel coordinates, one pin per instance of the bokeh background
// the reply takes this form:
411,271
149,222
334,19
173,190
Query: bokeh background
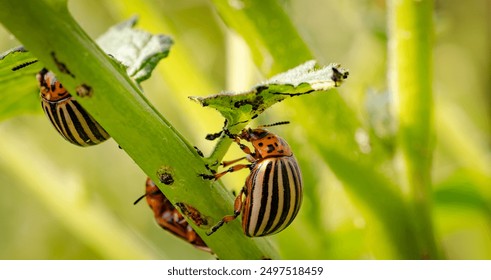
58,201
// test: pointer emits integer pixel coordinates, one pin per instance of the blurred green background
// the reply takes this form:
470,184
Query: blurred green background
58,201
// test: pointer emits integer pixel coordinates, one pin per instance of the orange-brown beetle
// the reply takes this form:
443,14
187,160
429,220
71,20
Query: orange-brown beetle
273,189
169,218
67,116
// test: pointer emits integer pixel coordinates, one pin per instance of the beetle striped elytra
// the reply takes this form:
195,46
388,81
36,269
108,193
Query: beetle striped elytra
273,189
67,116
167,216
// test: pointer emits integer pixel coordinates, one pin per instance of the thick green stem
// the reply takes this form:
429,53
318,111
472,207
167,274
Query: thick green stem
46,28
410,48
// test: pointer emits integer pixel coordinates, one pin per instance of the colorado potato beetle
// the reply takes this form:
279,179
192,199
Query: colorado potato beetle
273,189
167,216
67,116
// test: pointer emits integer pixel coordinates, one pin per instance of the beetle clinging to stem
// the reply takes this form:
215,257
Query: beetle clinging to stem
168,217
272,191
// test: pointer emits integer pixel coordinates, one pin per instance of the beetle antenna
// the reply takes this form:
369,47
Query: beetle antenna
140,198
275,124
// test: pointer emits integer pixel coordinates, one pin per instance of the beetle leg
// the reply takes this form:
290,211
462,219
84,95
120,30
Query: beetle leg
230,170
243,147
236,139
230,162
234,168
237,209
191,235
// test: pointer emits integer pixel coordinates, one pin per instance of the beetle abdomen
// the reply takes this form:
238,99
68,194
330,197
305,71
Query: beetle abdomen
274,196
74,123
66,114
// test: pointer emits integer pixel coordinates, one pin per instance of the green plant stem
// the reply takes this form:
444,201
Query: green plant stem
47,29
410,48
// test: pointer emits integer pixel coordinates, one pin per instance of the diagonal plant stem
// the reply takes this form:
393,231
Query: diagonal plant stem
410,33
118,105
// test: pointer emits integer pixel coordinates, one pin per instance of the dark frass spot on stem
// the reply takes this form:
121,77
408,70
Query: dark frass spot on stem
165,175
193,214
207,176
61,66
84,90
166,179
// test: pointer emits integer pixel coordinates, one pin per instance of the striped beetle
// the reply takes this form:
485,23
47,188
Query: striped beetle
273,189
67,116
167,216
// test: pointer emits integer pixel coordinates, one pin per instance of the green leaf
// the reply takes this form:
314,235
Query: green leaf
136,49
303,79
18,85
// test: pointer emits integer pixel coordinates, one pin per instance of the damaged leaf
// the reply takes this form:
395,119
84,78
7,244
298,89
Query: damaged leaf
136,49
303,79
